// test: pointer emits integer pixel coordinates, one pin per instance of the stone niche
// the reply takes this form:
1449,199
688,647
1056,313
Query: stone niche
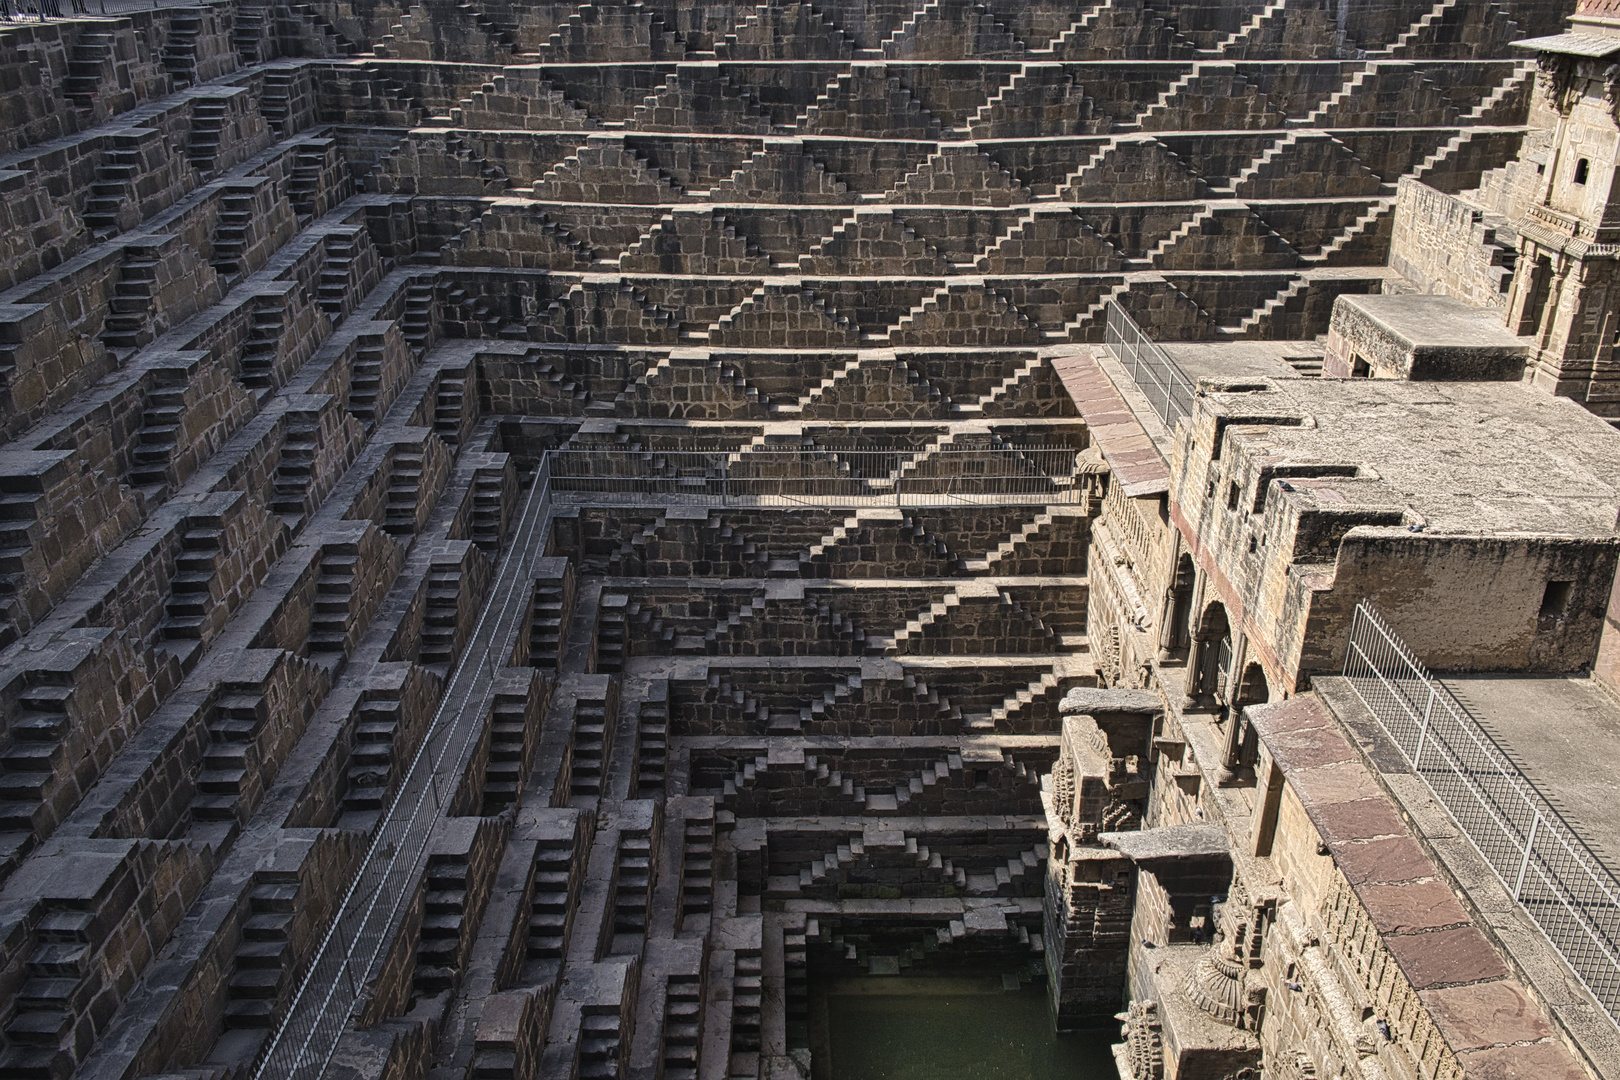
1195,1010
1171,1038
1421,338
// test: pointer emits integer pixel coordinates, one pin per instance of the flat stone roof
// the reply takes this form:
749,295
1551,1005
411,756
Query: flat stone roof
1432,321
1471,458
1594,46
1540,722
1088,699
1480,1008
1171,842
1552,727
1241,359
1137,465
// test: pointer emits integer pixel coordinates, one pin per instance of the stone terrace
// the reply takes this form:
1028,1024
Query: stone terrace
302,304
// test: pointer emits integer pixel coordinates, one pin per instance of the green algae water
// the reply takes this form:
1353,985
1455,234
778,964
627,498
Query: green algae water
961,1029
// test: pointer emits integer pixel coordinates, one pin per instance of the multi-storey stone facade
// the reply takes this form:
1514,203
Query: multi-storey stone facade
541,534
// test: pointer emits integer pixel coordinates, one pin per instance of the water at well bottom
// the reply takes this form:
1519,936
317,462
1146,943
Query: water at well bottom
961,1029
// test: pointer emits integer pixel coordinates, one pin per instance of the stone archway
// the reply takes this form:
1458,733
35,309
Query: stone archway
1211,661
1179,638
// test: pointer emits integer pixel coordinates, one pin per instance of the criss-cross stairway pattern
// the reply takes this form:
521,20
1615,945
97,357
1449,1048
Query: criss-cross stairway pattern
295,297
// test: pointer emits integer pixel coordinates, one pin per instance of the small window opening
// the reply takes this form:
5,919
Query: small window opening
1232,495
1360,369
1581,168
1555,601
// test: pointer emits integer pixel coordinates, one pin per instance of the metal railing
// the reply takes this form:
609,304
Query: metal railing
18,11
362,930
1168,389
35,9
947,476
1535,853
364,926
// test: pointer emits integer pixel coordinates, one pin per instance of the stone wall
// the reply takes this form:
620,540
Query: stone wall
295,300
1445,245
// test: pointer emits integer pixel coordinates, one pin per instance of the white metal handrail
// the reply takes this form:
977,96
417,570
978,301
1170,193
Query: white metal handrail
303,1044
1160,379
1545,866
819,476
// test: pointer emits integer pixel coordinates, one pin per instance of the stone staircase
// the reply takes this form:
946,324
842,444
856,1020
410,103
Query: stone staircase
866,100
275,102
449,405
697,864
439,616
179,55
1040,99
262,966
1240,36
590,744
365,377
56,962
633,878
155,441
549,901
444,908
652,745
547,623
1410,35
781,174
754,36
936,610
1003,390
599,1043
594,30
134,299
723,630
683,1024
191,597
332,288
878,850
237,719
262,349
294,472
334,593
1019,877
369,777
303,186
404,489
247,34
508,737
1024,535
38,730
1037,689
90,68
208,118
487,508
231,231
417,324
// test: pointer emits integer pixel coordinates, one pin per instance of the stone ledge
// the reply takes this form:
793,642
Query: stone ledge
1447,953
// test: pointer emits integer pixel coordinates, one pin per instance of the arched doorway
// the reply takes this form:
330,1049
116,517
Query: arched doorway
1179,639
1212,659
1252,689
